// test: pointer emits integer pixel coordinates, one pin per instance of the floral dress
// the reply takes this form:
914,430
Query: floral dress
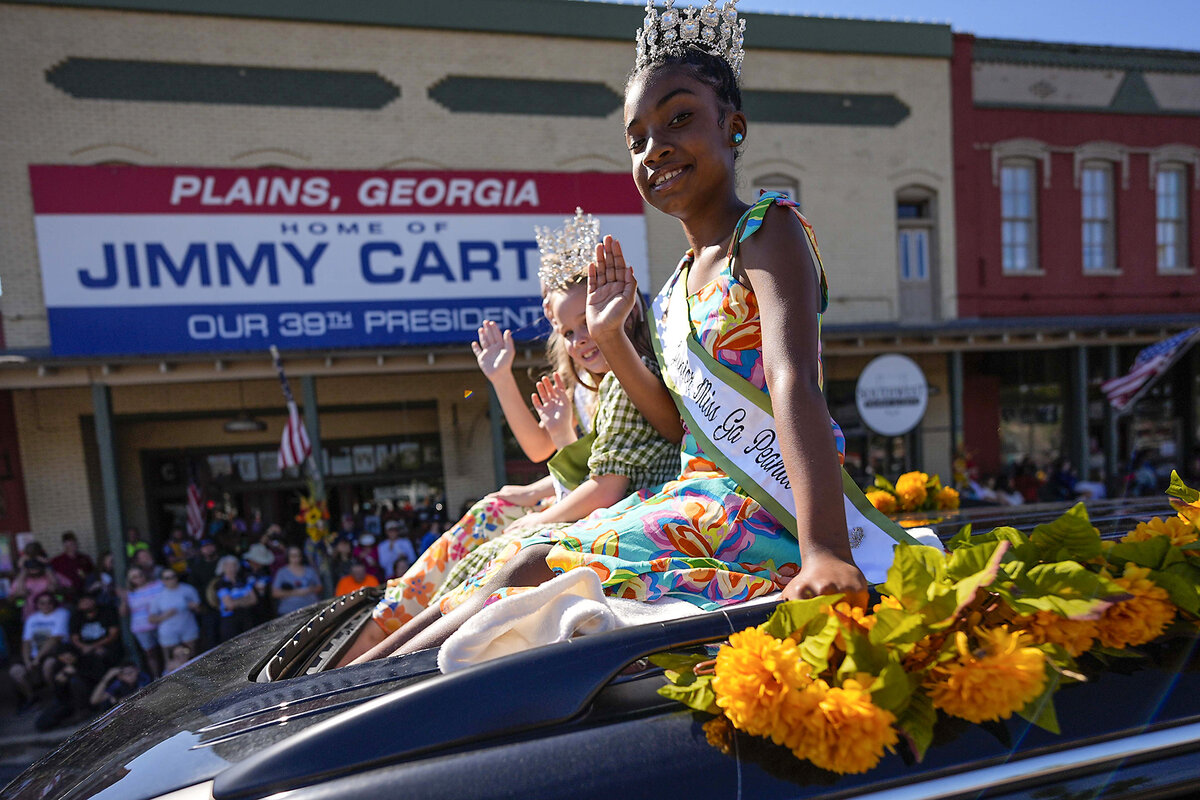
700,537
625,444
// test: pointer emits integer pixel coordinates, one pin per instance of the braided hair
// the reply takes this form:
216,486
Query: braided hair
704,66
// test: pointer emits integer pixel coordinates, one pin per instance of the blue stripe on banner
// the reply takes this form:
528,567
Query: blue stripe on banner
143,330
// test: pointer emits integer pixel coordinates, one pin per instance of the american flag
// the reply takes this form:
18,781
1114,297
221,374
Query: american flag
294,447
1123,392
195,511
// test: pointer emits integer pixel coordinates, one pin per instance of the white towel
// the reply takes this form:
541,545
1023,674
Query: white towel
571,604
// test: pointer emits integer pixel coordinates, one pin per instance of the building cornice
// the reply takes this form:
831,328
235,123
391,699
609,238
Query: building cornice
569,18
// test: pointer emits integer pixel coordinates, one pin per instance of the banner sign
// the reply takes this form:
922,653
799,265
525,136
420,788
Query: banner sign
155,260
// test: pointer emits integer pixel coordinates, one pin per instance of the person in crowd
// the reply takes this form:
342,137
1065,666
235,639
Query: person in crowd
366,551
177,550
34,579
296,584
72,566
1060,483
235,596
102,584
177,656
43,631
343,555
140,592
349,529
173,610
71,688
273,539
118,683
395,545
202,571
95,632
1144,481
1026,480
144,560
357,578
401,565
428,533
134,542
258,563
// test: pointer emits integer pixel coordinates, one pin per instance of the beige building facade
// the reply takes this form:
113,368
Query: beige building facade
850,117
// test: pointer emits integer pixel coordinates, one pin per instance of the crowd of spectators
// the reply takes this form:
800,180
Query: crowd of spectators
62,646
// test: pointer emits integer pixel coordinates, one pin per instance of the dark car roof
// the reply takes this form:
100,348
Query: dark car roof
568,720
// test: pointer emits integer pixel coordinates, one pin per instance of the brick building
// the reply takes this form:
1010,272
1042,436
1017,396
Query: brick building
850,117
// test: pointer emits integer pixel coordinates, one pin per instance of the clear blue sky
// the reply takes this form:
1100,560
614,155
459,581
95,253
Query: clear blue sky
1173,24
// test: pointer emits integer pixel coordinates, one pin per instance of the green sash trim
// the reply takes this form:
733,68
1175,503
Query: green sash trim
569,466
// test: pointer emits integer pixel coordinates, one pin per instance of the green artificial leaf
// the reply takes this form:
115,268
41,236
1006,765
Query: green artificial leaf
795,615
893,689
959,539
909,577
1022,548
698,694
897,626
933,485
862,655
1181,490
1071,536
966,589
818,641
1181,590
679,662
916,723
970,559
1157,552
883,483
1040,710
1064,586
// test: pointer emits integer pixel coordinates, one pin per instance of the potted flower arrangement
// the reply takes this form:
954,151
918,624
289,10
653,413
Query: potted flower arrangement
912,492
992,626
314,513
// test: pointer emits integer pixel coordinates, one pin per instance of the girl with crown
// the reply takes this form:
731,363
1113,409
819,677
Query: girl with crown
621,453
761,504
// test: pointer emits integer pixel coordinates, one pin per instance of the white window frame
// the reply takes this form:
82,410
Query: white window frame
1180,223
1107,223
1030,222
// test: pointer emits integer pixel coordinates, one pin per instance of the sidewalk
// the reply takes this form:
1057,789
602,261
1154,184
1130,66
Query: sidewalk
21,743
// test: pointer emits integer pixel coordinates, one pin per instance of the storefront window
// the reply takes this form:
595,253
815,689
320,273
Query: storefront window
1031,423
867,453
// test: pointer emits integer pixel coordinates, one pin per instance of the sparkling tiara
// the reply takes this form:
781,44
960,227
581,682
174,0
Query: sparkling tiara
567,251
719,32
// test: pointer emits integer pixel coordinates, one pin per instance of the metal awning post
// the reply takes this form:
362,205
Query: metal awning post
107,447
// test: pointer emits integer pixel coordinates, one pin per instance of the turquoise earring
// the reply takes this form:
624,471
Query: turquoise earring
737,138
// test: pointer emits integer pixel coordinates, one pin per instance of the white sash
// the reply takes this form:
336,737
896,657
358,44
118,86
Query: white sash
733,422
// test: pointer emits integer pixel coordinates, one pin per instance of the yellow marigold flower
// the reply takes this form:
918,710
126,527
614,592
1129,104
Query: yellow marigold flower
753,675
1076,636
1140,619
886,601
1177,529
947,498
993,682
1188,512
885,502
850,732
719,733
910,489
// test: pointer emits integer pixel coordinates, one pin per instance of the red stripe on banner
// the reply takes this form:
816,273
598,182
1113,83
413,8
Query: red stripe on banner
60,189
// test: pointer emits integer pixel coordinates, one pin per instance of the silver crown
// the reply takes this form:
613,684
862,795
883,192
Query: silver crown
566,252
720,32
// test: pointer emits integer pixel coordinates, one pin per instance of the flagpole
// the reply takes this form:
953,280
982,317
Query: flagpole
1145,387
310,463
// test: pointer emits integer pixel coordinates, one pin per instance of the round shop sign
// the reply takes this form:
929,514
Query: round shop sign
892,395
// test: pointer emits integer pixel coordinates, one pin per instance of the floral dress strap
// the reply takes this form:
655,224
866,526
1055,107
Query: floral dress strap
752,220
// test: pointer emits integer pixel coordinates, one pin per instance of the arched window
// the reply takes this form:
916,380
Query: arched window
916,253
1099,235
1171,230
1018,215
779,182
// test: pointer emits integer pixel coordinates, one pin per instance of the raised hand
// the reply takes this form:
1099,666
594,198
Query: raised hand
611,288
552,402
494,351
